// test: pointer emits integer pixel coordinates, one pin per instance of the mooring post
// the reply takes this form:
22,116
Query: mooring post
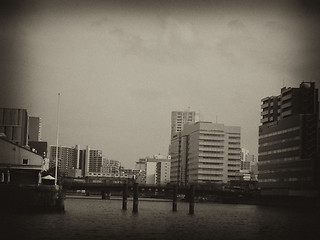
60,199
135,197
191,199
103,194
124,196
174,198
108,195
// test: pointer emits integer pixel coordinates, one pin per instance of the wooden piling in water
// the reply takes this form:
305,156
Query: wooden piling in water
125,196
60,200
108,195
191,199
135,197
174,198
103,194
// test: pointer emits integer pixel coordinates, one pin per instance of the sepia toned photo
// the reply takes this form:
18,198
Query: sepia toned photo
159,119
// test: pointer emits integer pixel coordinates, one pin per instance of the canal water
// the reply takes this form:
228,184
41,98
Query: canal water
104,219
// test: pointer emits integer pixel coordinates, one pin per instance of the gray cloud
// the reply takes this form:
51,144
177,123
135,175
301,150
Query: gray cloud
276,26
236,25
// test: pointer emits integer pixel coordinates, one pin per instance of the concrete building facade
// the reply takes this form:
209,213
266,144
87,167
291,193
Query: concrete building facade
179,118
175,154
14,125
289,141
93,161
110,166
205,152
163,172
34,129
154,170
73,161
68,158
141,165
248,164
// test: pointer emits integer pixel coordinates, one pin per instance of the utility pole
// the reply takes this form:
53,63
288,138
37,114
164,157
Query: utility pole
57,147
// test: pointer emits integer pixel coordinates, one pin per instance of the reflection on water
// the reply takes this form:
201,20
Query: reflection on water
104,219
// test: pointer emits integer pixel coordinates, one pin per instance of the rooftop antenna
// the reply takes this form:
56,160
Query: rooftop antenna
216,118
198,117
57,147
30,109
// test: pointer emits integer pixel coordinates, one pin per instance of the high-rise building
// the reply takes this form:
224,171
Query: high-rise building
34,129
205,152
14,125
179,118
68,158
163,172
89,161
93,161
248,165
176,165
289,141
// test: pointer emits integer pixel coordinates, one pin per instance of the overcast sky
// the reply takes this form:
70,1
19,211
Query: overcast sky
122,66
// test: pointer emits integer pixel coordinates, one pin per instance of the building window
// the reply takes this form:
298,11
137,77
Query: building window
25,161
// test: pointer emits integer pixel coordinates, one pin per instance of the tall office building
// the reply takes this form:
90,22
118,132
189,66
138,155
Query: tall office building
179,118
34,129
175,154
14,125
289,142
163,172
205,152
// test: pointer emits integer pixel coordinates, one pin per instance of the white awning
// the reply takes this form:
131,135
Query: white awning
48,177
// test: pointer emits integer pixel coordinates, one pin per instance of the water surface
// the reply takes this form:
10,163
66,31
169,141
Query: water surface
104,219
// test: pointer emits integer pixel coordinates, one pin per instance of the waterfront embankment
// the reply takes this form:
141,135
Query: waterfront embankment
31,198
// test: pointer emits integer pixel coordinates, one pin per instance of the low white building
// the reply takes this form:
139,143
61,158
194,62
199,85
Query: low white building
19,165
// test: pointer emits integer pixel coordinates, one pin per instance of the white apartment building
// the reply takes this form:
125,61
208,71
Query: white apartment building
93,160
110,166
205,152
154,170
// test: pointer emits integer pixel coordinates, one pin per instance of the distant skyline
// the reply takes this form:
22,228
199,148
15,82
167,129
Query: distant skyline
122,67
